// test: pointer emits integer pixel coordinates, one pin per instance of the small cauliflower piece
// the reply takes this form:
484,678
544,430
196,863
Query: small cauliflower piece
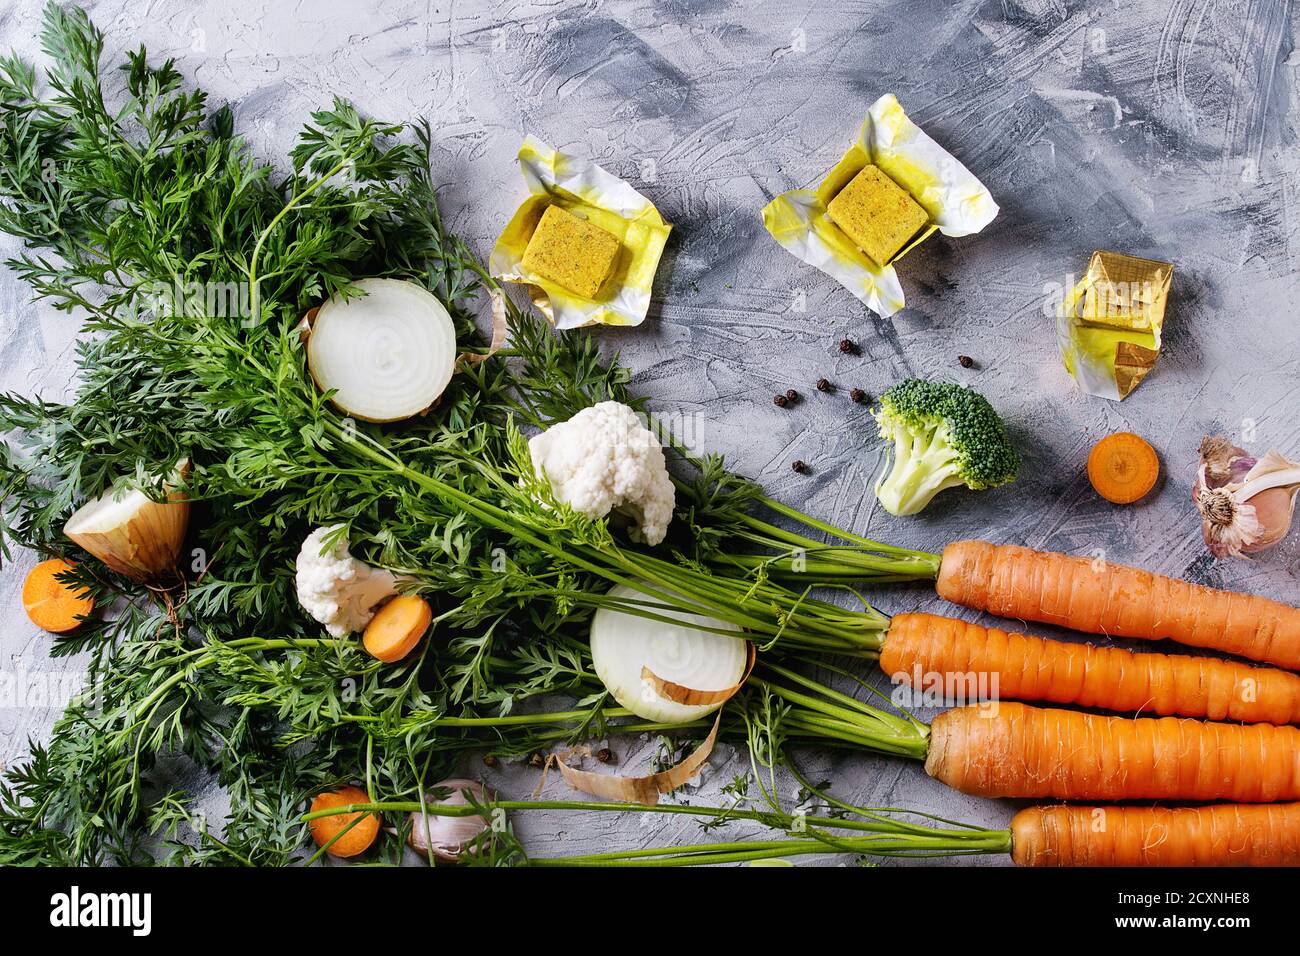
335,588
604,459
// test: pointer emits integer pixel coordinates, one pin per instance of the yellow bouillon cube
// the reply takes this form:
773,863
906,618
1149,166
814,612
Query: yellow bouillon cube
571,252
877,214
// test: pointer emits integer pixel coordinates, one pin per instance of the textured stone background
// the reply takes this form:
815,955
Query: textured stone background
1161,129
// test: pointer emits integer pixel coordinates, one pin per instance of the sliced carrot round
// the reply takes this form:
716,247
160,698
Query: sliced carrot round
1123,467
397,627
356,840
52,605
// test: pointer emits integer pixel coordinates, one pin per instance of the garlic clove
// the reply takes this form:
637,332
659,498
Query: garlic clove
443,837
1274,509
1222,462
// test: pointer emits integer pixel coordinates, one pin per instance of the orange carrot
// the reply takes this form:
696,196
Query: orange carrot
1224,835
1013,750
397,627
356,840
1103,598
1123,467
52,605
1033,668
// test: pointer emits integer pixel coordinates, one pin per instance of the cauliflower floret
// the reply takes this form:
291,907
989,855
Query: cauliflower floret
337,589
603,459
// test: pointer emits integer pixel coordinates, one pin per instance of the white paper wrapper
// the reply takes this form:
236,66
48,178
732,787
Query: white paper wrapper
957,203
587,190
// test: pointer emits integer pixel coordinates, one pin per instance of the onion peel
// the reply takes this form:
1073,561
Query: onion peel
692,696
500,329
645,789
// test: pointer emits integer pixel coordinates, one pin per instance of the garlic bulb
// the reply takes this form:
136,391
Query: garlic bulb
447,837
1246,504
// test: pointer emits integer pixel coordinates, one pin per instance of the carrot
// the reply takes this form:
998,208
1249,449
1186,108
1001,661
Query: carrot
1103,598
1150,836
397,627
1123,467
52,605
1013,750
324,829
1033,668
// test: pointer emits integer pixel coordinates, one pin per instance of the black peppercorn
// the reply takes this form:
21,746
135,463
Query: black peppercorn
965,361
791,395
604,755
489,761
857,395
536,759
823,385
847,346
780,401
799,466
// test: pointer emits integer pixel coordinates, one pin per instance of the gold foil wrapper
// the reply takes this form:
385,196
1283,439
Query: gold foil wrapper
1110,324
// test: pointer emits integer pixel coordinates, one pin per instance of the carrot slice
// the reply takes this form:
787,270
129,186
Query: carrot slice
1123,467
356,840
52,605
397,627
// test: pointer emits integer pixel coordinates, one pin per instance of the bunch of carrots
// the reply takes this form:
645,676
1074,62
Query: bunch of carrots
1017,750
345,823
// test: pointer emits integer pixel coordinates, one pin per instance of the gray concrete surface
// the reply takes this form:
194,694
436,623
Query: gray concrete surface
1165,130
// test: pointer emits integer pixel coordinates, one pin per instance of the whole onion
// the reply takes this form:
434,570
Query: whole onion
445,838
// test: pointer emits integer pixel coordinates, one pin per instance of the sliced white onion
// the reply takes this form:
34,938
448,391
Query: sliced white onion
131,533
624,646
387,354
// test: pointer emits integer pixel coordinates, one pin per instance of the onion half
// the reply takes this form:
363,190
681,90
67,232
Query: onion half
131,533
646,664
386,355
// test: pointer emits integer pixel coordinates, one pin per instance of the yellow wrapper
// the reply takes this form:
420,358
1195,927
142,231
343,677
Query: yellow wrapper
1109,325
604,200
956,202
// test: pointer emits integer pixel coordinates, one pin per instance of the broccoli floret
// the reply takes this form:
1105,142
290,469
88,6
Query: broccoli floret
944,435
